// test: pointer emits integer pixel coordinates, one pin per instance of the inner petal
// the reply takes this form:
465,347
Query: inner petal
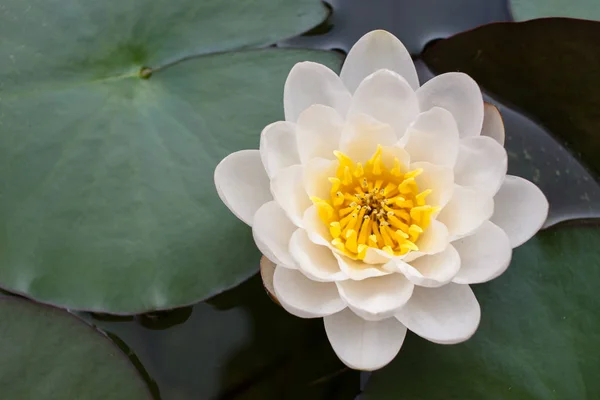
375,205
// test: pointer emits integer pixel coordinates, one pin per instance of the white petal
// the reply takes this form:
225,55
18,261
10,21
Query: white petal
481,164
272,232
433,137
521,209
387,97
378,298
358,270
438,178
388,153
288,190
319,130
466,211
374,51
484,255
310,83
432,270
493,126
361,136
315,261
317,231
434,239
303,297
459,94
267,270
242,184
317,172
376,256
278,146
364,345
445,315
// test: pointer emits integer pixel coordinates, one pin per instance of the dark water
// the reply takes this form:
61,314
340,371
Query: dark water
239,345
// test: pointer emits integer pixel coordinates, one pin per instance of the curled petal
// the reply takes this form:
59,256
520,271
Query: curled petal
272,231
315,261
278,146
364,345
493,126
242,184
267,270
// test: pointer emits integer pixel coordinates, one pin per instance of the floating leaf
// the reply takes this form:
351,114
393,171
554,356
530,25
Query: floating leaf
529,9
113,116
47,353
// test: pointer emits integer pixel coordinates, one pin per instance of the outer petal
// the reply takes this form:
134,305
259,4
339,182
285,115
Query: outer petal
242,184
315,261
481,164
272,232
387,97
521,209
375,299
303,297
358,270
374,51
446,315
361,136
288,189
310,83
493,126
433,137
484,255
319,130
459,94
431,270
437,178
278,146
466,211
267,270
316,174
361,344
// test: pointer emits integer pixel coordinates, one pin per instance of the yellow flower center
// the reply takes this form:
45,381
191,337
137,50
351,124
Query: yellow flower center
374,205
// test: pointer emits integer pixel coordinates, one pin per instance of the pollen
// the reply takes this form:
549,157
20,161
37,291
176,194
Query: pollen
375,206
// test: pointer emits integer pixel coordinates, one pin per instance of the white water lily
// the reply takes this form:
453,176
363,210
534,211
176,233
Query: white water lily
378,201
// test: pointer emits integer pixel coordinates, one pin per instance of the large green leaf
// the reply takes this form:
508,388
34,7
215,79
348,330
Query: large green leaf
539,334
238,345
529,9
107,199
46,353
547,67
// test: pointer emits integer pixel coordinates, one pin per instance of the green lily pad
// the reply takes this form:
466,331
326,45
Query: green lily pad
538,337
107,198
47,353
529,9
547,67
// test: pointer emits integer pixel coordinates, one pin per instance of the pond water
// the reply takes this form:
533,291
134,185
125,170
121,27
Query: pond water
241,346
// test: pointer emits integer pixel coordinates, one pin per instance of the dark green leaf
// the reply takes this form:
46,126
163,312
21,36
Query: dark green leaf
45,353
107,198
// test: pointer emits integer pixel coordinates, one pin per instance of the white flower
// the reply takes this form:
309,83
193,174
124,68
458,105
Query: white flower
380,201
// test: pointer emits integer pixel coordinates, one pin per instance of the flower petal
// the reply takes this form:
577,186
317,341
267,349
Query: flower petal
272,232
466,211
358,270
387,97
493,126
311,83
433,137
459,94
288,190
445,315
434,239
374,51
484,255
319,130
267,270
438,178
303,297
431,270
521,209
242,184
378,298
316,174
278,146
364,345
481,164
361,136
316,230
315,261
